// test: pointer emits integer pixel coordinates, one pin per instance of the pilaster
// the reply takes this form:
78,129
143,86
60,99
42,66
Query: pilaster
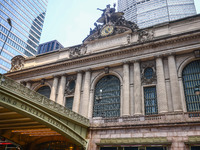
161,87
77,93
61,90
86,94
137,88
175,89
54,88
126,90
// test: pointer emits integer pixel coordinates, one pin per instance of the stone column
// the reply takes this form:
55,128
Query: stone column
161,87
86,94
182,94
28,84
54,88
126,90
77,93
91,104
137,89
61,90
175,89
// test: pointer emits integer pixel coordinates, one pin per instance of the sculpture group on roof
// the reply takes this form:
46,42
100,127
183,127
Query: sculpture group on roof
107,14
112,18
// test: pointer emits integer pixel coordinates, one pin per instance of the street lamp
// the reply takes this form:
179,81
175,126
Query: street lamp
10,23
98,99
197,90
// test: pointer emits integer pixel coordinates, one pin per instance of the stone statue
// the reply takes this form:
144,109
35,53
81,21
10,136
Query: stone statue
107,14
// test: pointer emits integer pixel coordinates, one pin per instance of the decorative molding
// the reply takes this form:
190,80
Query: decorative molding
145,35
77,51
144,66
68,89
42,81
17,63
197,53
108,54
128,38
147,140
106,70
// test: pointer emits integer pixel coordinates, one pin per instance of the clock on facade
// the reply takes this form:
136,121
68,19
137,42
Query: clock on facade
107,30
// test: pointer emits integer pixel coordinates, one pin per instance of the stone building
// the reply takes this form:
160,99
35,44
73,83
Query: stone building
136,86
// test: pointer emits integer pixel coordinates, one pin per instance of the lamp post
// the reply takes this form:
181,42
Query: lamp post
10,23
197,90
98,99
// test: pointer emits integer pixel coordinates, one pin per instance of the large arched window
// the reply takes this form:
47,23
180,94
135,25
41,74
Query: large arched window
107,97
44,90
191,78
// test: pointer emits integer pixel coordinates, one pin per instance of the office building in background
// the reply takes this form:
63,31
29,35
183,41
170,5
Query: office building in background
49,46
24,30
150,12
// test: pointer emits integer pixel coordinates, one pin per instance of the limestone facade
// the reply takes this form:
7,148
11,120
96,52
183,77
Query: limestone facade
167,51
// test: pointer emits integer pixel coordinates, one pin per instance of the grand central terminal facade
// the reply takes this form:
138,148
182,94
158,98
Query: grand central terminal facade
123,88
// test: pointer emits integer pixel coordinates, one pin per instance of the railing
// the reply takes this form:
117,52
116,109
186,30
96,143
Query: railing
170,118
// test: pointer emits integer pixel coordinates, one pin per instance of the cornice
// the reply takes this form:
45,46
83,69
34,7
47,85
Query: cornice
125,49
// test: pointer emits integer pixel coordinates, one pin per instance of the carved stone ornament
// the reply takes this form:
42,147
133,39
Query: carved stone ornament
111,23
145,35
70,85
150,79
17,63
77,51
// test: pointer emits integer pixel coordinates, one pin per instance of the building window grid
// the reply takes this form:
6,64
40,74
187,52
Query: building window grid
18,33
17,18
107,97
69,102
142,10
20,8
33,8
17,46
38,6
19,41
44,90
19,27
150,100
30,11
148,73
191,78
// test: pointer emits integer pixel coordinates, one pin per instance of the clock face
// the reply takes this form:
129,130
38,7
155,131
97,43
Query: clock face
107,30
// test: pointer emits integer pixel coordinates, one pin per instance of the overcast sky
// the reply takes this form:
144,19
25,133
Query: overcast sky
69,21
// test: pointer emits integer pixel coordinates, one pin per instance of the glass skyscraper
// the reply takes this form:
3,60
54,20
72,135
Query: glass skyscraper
150,12
27,18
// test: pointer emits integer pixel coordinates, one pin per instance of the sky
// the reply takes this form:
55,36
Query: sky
69,21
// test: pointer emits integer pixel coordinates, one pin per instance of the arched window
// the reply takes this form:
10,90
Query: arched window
45,90
191,78
107,97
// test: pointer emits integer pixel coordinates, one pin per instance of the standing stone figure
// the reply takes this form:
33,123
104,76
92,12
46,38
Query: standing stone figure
107,12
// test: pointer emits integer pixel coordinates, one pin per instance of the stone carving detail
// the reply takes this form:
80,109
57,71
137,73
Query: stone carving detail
106,70
17,63
144,79
15,87
145,35
77,51
114,22
70,86
128,37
